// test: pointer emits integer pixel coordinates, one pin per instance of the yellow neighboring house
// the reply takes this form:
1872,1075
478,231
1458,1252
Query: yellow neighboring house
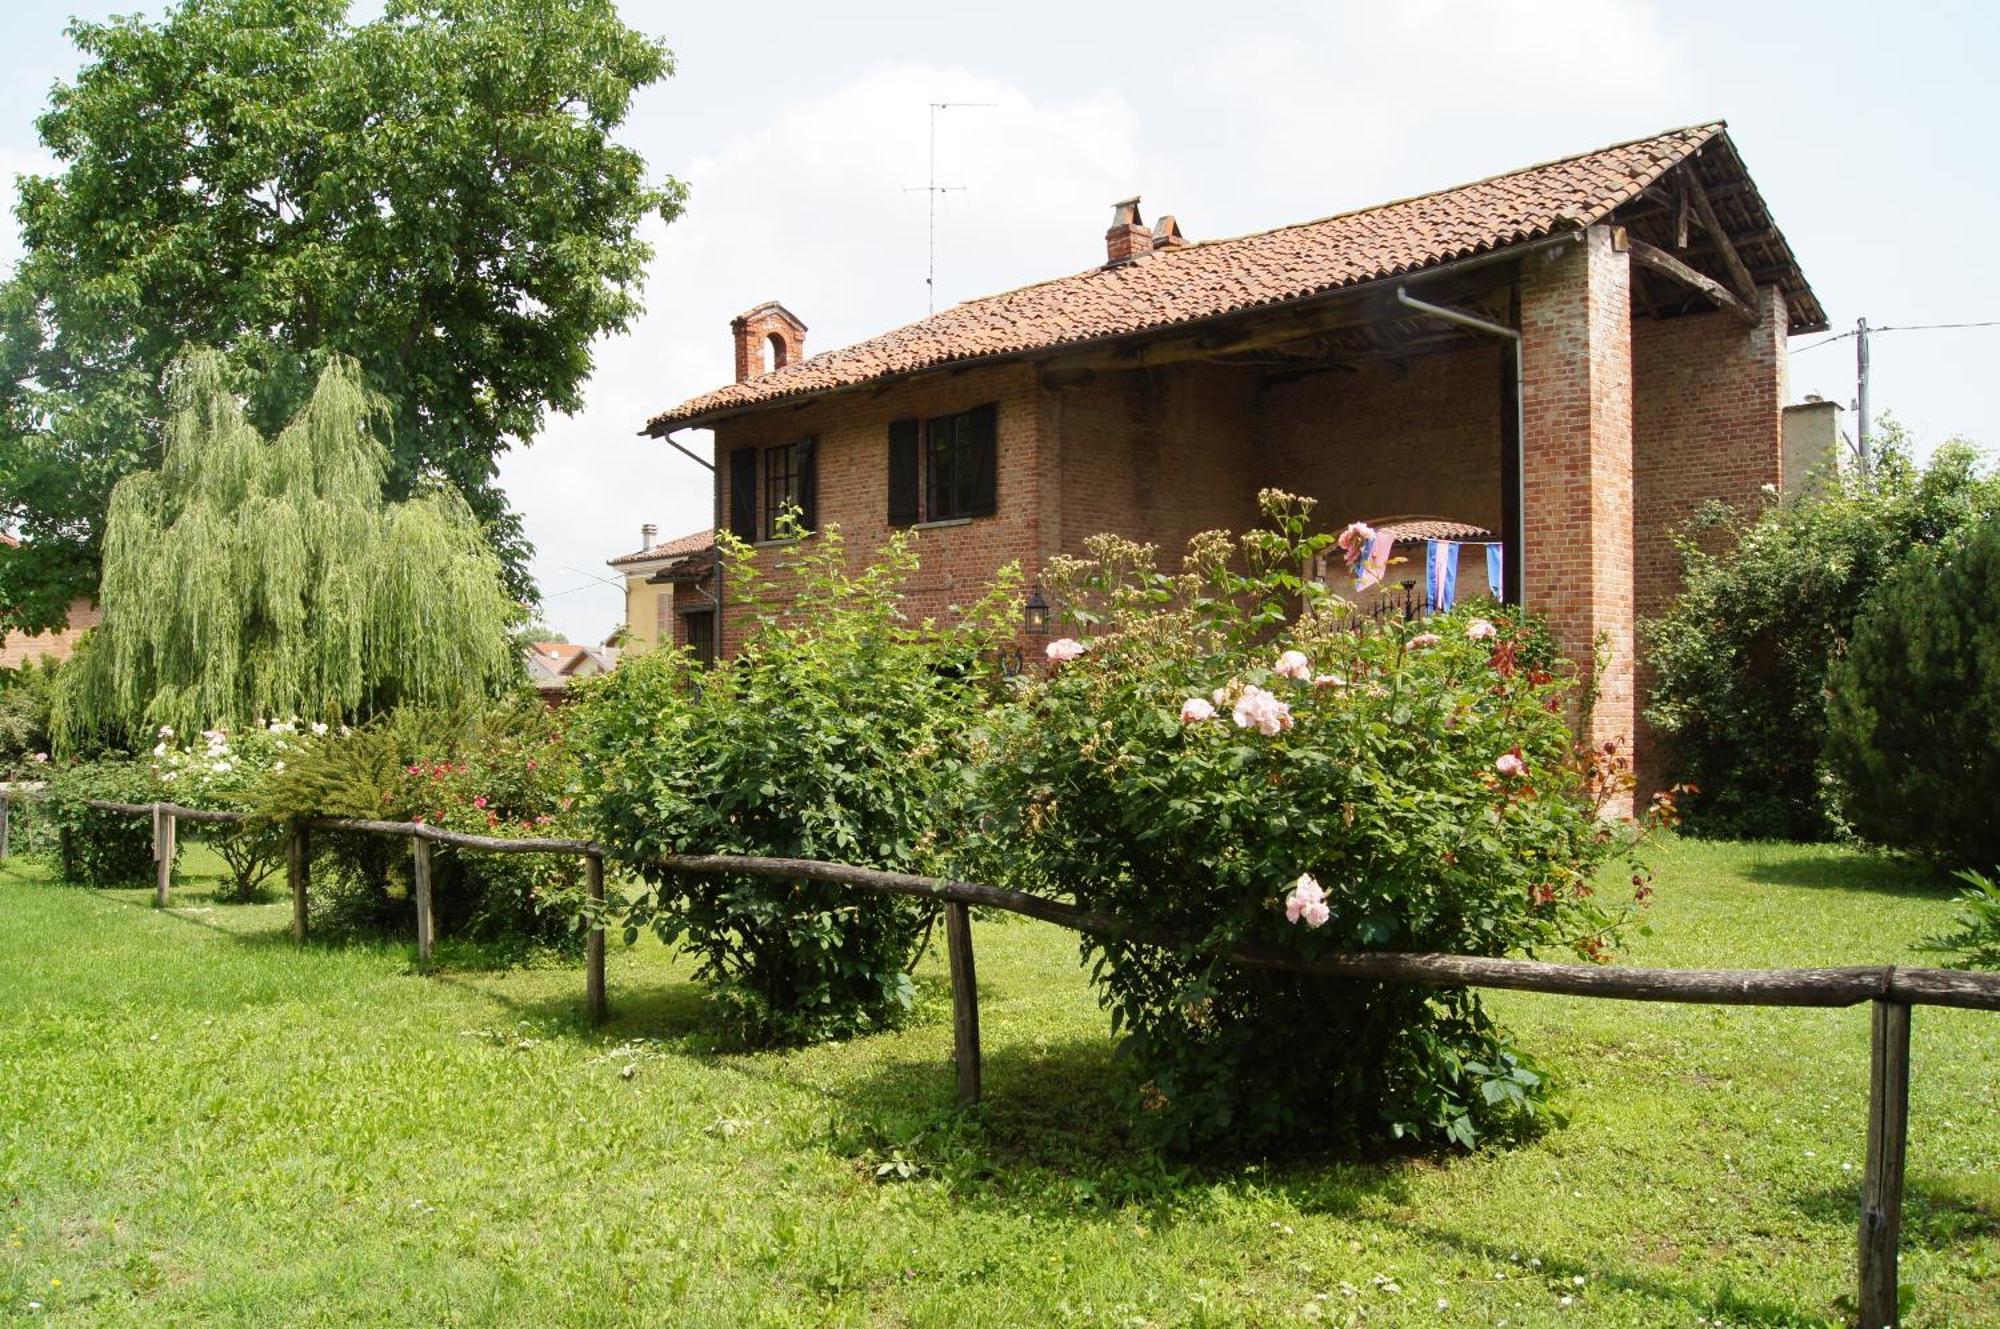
670,591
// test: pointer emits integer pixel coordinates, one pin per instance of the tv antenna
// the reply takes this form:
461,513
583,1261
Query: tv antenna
933,189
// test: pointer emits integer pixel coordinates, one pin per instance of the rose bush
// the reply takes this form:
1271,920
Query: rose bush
836,733
222,772
506,770
1234,758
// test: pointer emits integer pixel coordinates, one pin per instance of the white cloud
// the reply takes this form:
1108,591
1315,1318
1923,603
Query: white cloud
811,208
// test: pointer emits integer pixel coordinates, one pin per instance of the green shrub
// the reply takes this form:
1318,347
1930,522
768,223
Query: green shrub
836,734
1914,704
1232,743
1769,599
505,770
222,772
97,848
1975,935
26,696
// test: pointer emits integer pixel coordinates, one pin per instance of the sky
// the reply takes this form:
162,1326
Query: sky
803,133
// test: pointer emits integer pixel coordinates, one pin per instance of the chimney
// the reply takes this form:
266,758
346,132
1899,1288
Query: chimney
1167,233
768,338
649,535
1128,237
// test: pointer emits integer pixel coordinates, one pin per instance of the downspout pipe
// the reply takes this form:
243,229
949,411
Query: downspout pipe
1513,337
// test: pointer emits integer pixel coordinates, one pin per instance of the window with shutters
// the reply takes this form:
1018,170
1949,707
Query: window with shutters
944,468
663,609
781,485
765,482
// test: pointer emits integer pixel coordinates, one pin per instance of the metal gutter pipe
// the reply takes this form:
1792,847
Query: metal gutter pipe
1512,336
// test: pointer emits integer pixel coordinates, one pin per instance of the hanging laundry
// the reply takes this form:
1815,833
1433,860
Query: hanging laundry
1374,561
1494,582
1441,574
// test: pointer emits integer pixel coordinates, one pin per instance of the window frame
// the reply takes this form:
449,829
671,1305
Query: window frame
787,470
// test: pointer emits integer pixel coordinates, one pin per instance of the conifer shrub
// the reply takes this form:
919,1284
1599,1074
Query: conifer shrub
1227,756
1914,704
838,731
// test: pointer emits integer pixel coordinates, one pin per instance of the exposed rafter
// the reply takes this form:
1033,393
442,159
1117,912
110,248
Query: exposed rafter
1660,261
1739,275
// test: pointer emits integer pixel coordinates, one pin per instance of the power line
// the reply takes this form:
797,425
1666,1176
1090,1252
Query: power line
1896,327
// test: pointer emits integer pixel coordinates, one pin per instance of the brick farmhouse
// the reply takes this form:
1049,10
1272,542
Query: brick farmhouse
1574,356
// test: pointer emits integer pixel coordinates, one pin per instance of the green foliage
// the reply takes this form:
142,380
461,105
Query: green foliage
26,697
1232,742
96,848
503,770
245,579
839,732
222,772
435,193
1975,934
1914,703
1769,599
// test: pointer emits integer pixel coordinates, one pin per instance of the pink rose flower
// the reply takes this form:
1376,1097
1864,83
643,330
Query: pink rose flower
1354,540
1293,664
1480,629
479,802
1307,901
1259,710
1195,710
1329,681
1064,649
1511,765
1424,641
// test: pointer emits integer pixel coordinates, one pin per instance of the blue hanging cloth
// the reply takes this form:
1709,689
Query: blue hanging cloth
1441,574
1494,582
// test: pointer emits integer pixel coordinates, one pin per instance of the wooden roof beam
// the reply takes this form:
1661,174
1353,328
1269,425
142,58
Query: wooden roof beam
1659,260
1739,275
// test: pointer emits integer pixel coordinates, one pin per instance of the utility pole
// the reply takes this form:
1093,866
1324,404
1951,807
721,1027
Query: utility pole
1861,393
933,189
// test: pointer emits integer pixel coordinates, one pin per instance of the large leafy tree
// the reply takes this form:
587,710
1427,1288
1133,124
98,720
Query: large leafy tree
434,194
249,580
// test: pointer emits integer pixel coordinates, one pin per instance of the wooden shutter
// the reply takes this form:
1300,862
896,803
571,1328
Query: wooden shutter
805,482
980,484
743,494
902,472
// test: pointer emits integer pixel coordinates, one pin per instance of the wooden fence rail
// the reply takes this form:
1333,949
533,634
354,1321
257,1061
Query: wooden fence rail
1893,989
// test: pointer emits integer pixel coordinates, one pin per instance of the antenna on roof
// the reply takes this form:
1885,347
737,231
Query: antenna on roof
933,189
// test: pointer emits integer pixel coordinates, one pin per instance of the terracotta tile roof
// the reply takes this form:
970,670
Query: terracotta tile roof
691,543
1431,528
1220,277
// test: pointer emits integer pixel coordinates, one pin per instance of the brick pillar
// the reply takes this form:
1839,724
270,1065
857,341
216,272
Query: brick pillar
1577,567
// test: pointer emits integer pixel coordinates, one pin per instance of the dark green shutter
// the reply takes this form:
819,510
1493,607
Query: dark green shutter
743,494
902,472
805,482
981,483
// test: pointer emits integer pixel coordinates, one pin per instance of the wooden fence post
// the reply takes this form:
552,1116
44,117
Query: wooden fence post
593,942
1882,1186
964,1000
163,855
420,858
5,802
298,873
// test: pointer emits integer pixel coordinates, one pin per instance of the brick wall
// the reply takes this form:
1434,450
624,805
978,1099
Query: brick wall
1708,423
1155,455
1392,439
958,559
1576,328
18,648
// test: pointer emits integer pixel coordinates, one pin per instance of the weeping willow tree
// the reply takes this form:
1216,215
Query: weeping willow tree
249,579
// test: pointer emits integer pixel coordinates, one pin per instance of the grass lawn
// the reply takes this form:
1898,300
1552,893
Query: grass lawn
201,1123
